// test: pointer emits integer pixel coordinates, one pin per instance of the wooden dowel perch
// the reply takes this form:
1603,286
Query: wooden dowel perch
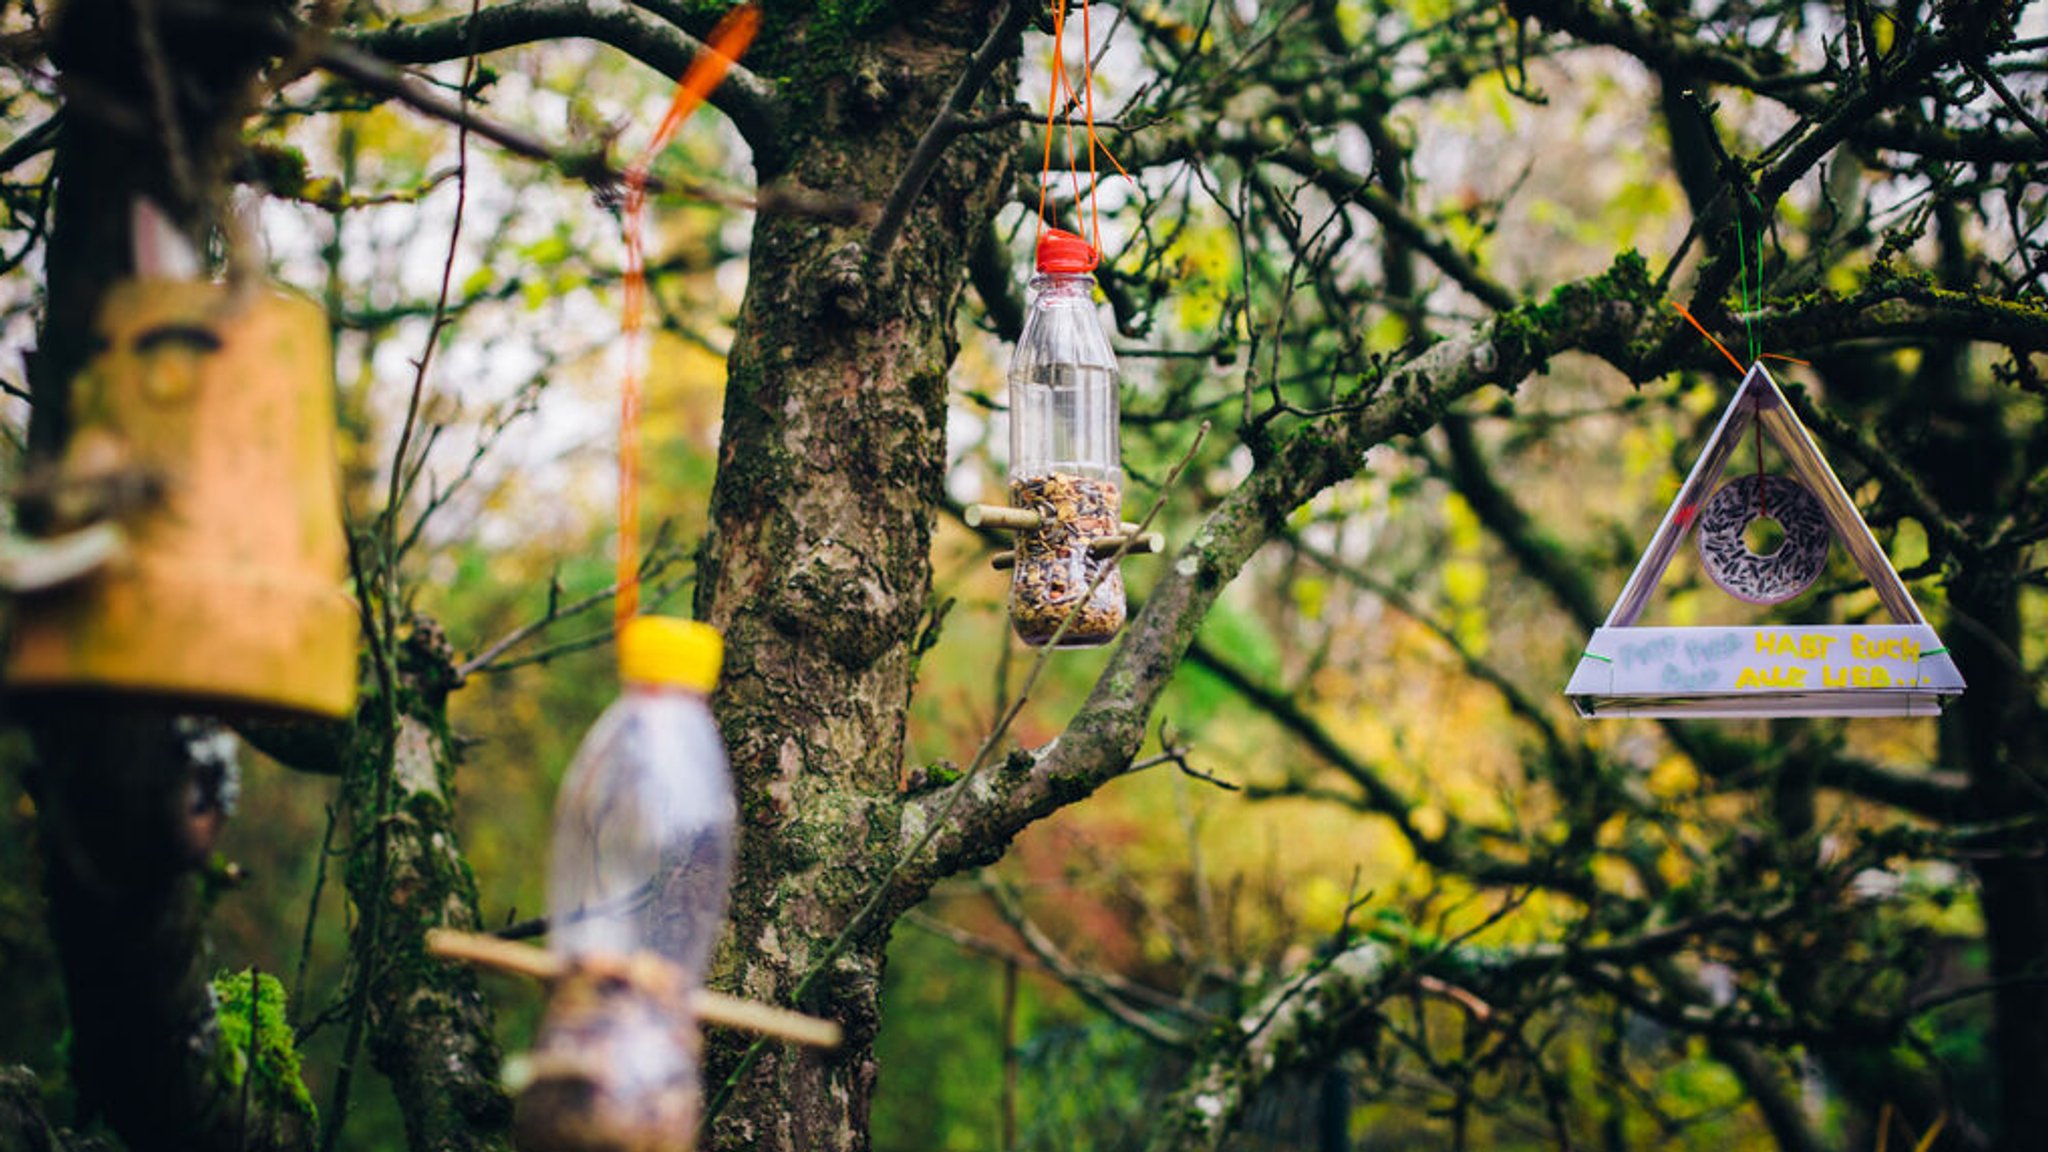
491,952
1001,516
1100,546
711,1007
1141,543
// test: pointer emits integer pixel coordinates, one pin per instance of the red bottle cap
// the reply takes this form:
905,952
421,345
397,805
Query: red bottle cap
1060,251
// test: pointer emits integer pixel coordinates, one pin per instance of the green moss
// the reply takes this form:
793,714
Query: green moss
279,1087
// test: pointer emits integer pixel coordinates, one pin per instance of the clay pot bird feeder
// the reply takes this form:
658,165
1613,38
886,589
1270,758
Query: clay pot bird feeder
199,500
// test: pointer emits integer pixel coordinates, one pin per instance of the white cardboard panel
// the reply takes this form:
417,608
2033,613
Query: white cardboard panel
1765,670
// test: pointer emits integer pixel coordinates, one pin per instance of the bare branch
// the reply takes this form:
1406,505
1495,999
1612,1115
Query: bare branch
1298,1025
1106,991
747,99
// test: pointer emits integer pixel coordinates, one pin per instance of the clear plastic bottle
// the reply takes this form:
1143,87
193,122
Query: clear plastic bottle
1064,461
645,824
645,833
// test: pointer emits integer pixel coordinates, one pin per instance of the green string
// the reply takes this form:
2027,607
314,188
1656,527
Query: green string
1750,301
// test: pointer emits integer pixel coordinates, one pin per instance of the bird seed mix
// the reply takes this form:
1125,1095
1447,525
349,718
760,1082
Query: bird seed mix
1054,565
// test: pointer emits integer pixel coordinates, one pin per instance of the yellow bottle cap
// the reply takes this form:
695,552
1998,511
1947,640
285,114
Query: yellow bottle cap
672,651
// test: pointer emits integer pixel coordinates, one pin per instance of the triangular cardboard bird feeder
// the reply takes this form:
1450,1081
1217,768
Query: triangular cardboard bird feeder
1896,669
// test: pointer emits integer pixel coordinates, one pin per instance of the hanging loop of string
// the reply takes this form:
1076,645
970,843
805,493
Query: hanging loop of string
725,44
1751,265
1762,509
1752,293
1061,103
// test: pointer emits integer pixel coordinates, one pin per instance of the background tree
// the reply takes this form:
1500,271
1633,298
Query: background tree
1410,260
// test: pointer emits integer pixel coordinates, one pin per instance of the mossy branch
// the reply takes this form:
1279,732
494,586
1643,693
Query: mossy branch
430,1029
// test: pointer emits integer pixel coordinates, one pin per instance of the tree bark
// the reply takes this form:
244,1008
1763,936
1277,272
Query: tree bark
118,797
818,568
430,1028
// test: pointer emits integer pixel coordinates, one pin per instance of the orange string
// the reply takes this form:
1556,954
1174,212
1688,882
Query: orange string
1064,94
725,44
1073,98
1690,319
1088,113
1052,109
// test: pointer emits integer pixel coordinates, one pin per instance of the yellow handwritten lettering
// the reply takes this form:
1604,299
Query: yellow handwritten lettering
1898,648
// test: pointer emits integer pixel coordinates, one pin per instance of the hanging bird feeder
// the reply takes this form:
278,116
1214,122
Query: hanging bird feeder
1066,479
1896,669
202,446
642,857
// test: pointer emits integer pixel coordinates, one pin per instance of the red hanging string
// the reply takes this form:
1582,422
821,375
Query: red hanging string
725,44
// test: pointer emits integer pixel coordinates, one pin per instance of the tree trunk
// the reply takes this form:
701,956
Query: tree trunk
430,1028
818,568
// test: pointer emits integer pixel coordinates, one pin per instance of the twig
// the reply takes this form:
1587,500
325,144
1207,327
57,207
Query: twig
32,143
534,627
400,486
298,989
1105,991
2012,102
1178,757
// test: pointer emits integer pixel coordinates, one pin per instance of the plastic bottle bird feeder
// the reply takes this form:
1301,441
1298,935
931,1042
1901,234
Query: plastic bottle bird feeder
1066,479
203,436
1896,669
642,857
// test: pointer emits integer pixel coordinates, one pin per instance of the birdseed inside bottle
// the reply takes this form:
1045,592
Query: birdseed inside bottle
1055,565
